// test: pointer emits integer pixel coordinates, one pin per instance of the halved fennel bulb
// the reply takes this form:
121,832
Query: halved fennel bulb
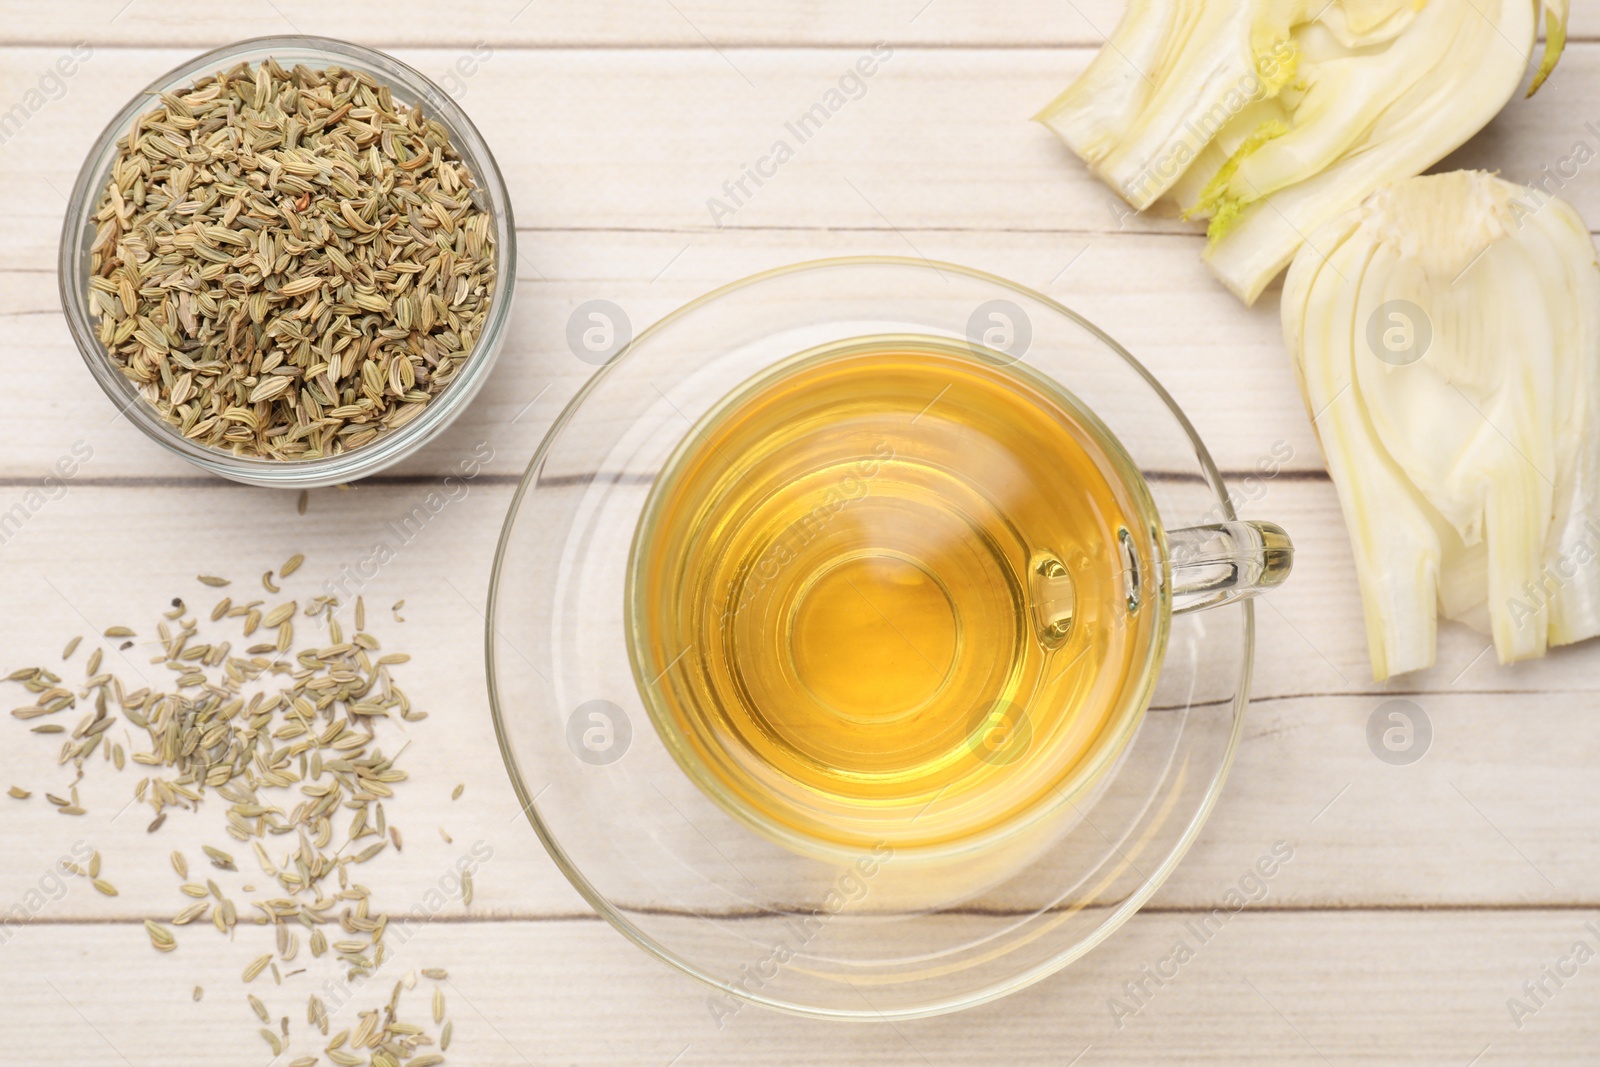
1447,337
1271,117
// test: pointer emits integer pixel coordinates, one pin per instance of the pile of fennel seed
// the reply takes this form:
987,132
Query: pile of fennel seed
286,733
288,264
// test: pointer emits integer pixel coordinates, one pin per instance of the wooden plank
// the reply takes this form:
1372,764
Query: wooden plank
936,139
1400,988
644,139
724,23
1317,617
1471,824
1111,280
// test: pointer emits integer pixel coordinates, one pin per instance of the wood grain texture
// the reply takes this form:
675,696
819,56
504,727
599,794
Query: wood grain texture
1269,989
1111,282
1419,899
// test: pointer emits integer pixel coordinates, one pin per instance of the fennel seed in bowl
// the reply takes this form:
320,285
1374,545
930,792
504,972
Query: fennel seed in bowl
289,263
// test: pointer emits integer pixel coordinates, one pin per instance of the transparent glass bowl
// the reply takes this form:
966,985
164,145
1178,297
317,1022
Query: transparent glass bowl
876,937
409,86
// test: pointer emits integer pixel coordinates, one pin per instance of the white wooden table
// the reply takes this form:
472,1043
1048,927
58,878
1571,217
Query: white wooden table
1420,898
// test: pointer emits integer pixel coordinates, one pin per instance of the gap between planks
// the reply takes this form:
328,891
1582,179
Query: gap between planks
1148,229
1084,44
1264,908
180,481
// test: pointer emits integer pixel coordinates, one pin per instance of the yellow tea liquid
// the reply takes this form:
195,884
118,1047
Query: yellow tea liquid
894,592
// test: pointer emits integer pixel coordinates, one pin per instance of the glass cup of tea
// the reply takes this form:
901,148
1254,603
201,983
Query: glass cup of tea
846,642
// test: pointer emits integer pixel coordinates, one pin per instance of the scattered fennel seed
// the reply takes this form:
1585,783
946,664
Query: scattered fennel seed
160,936
285,737
219,859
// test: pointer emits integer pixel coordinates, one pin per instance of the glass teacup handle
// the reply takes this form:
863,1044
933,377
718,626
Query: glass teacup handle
1228,561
